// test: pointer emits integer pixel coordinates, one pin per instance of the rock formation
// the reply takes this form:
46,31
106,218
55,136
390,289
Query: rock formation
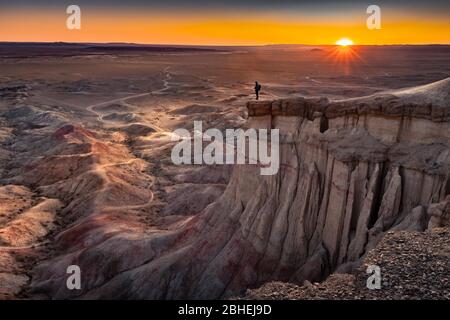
351,171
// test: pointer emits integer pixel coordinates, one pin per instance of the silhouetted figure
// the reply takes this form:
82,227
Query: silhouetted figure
257,89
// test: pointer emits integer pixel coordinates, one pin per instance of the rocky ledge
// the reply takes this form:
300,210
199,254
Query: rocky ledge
430,101
413,265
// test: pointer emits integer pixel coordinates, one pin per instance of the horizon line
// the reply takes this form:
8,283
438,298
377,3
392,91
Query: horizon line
216,45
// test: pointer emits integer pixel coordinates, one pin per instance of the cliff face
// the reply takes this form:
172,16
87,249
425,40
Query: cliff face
350,171
354,169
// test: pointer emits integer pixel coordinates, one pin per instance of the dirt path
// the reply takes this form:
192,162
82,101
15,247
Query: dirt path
101,168
28,247
100,115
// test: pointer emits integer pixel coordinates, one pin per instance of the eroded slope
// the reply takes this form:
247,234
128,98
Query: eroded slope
351,171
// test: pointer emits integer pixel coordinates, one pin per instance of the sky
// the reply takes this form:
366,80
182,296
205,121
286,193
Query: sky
232,22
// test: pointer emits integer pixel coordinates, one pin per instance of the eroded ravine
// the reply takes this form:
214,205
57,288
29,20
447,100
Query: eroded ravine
351,170
94,185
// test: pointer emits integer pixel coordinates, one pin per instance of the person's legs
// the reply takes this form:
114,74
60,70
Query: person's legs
257,95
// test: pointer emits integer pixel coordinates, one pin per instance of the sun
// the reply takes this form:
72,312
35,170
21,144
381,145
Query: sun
344,42
345,55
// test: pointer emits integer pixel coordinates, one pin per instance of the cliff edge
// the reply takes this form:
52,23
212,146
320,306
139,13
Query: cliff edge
351,171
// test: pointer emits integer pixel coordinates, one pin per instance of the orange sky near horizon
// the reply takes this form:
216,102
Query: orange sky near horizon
225,28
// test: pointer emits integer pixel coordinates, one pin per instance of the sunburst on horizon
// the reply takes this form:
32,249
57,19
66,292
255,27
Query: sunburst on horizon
344,42
345,55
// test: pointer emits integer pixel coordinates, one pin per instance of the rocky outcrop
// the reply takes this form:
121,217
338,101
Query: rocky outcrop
439,214
350,171
12,92
425,102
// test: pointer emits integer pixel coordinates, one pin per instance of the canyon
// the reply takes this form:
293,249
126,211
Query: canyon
86,179
351,170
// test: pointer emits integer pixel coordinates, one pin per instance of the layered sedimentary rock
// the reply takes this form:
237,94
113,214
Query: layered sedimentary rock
350,171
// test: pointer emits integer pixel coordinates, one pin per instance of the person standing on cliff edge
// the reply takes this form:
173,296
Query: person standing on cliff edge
257,89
